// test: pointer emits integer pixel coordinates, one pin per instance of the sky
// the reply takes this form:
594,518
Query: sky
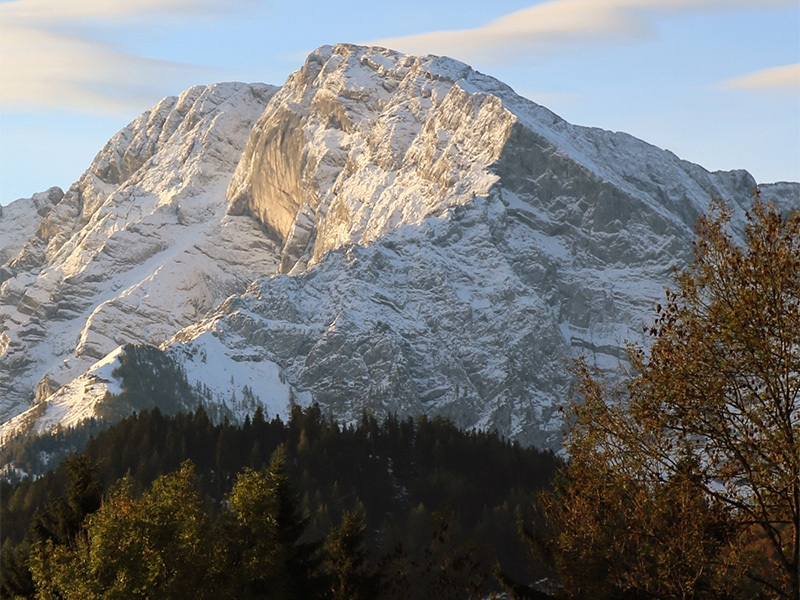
717,82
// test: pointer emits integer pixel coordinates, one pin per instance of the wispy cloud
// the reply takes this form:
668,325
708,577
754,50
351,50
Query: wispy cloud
786,77
44,63
555,24
54,11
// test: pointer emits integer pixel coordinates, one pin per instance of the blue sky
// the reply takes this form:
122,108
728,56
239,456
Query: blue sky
715,81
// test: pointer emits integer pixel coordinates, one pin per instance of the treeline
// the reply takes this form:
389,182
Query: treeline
149,378
409,508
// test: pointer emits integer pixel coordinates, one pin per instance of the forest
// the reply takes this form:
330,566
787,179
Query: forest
418,506
679,479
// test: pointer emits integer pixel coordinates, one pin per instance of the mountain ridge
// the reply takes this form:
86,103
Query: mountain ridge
418,238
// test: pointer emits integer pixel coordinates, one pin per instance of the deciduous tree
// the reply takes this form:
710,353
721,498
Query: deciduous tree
266,555
161,545
685,478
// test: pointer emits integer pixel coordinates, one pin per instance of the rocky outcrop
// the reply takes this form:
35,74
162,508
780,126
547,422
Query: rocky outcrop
359,142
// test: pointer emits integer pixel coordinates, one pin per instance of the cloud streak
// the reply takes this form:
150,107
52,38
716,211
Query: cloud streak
53,11
786,77
45,65
556,24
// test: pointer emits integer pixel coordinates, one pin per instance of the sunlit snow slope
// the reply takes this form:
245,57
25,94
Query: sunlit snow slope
138,248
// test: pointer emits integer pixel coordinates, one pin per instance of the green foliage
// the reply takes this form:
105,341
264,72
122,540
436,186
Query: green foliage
15,578
275,498
160,545
265,556
345,556
61,519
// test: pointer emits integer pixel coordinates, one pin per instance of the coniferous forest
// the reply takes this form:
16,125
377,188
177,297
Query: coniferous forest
160,505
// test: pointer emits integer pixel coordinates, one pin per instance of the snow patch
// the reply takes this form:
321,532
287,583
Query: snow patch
226,373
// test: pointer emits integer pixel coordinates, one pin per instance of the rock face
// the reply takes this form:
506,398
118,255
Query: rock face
359,142
417,238
138,248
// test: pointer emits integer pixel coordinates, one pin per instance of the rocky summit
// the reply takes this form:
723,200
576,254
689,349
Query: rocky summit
384,232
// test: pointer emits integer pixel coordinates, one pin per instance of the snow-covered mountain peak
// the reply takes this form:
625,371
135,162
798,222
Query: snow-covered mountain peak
362,140
385,232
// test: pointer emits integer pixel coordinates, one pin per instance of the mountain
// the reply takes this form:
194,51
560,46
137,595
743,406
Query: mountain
385,232
139,247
